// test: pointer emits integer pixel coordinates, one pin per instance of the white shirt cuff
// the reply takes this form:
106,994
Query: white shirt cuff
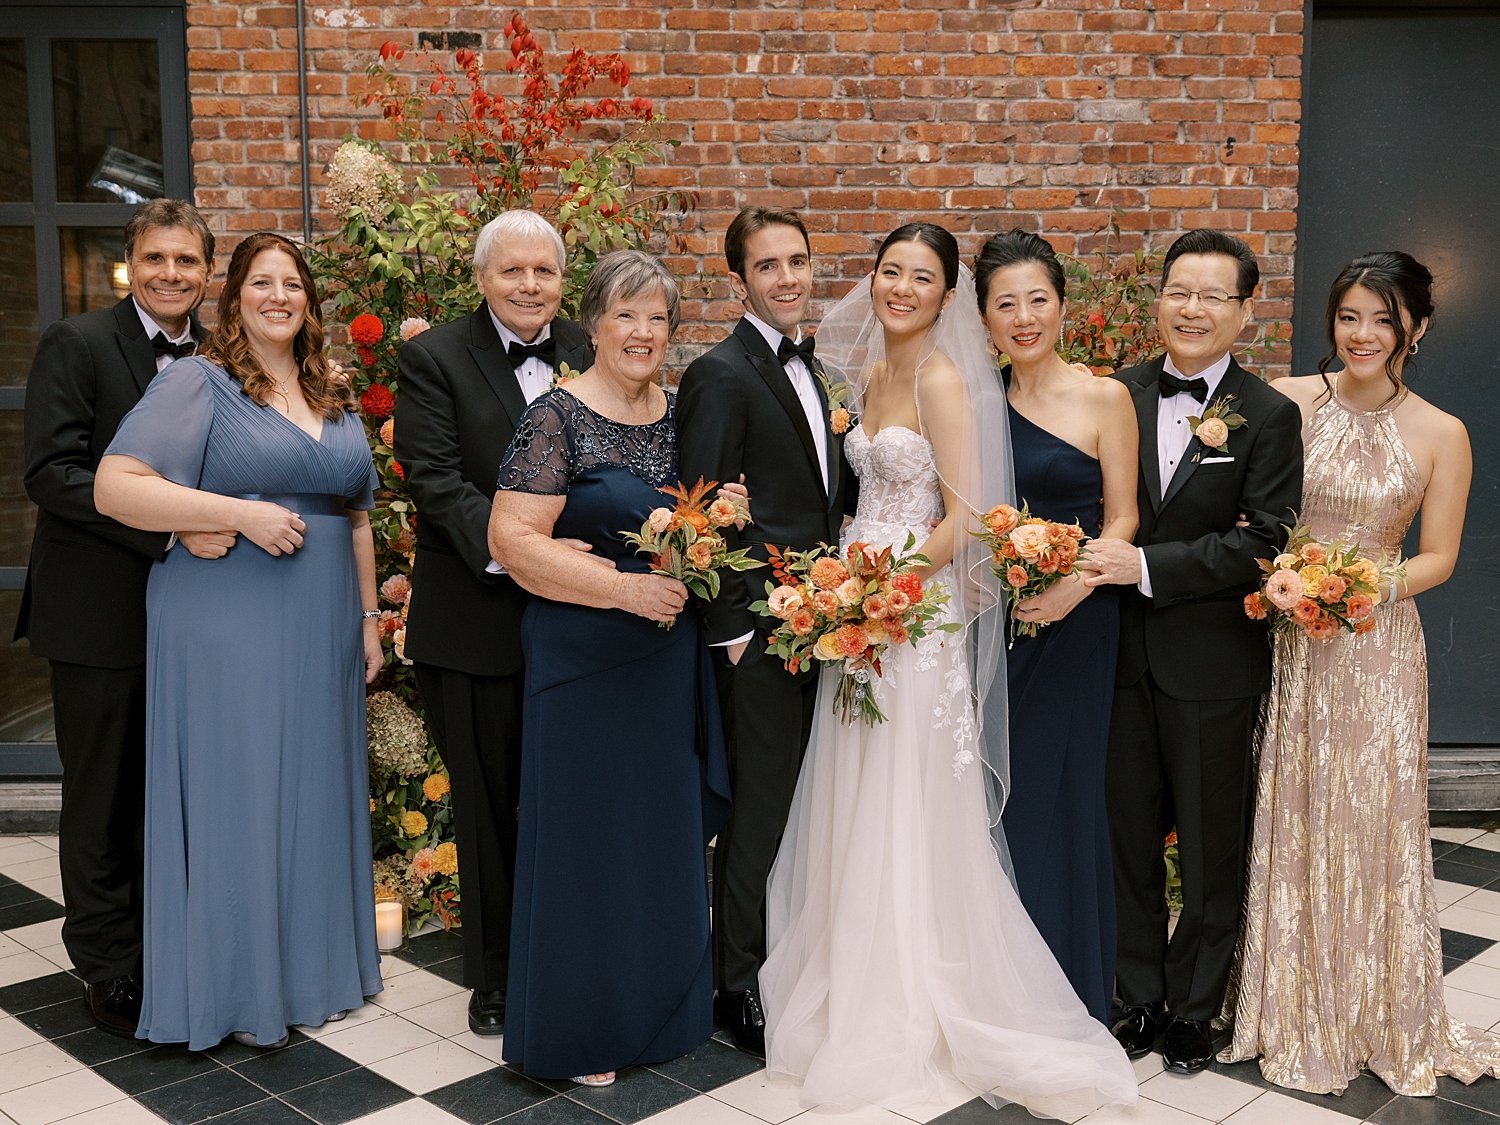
492,567
737,640
1144,585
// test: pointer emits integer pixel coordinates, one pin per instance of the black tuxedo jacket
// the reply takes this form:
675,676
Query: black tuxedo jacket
1193,633
737,413
457,406
85,595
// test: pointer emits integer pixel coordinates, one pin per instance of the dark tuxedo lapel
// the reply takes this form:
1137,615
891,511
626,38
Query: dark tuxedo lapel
489,356
135,346
769,368
1147,403
576,355
833,441
1229,386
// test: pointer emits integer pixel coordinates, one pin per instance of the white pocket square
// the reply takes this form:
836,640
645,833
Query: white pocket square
1217,461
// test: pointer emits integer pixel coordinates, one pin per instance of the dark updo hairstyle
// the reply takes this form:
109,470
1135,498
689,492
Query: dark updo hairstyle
1014,248
1403,284
935,238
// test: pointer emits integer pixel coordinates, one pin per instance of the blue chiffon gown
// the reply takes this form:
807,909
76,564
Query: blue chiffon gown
259,902
1061,688
624,778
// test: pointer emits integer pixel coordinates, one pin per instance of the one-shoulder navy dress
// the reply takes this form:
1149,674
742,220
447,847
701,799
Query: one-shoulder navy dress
1061,687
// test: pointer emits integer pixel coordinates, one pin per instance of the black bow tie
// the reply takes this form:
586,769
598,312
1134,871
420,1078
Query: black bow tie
1170,385
544,350
803,351
162,346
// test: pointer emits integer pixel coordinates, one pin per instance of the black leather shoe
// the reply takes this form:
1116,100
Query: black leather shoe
1188,1045
741,1015
115,1004
487,1012
1136,1028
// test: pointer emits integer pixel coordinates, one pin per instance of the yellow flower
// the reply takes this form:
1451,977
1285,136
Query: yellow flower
372,804
1312,579
434,787
413,823
446,858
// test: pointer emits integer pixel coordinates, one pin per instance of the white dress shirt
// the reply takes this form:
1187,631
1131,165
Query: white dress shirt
1173,434
534,376
152,328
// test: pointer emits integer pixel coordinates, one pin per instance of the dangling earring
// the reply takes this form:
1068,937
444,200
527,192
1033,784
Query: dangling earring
1412,350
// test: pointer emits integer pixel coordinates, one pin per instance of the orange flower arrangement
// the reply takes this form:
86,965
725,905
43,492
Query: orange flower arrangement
1029,554
1321,589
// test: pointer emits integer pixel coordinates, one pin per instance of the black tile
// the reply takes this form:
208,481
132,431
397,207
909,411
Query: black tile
490,1095
637,1094
268,1112
12,892
1474,857
978,1112
557,1111
710,1066
1463,946
28,912
1484,1094
70,1016
1465,873
346,1096
1247,1072
153,1069
1441,848
93,1046
298,1064
1361,1099
451,970
201,1097
429,949
230,1053
1430,1111
40,992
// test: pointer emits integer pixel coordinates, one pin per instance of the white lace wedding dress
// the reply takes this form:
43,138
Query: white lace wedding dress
901,962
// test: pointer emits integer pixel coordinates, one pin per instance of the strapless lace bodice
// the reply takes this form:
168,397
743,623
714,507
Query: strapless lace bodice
898,485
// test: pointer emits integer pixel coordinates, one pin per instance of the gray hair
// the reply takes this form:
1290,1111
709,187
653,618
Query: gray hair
620,275
516,225
169,213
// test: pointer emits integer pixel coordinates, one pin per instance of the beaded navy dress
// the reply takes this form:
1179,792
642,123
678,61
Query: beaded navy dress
1061,689
624,778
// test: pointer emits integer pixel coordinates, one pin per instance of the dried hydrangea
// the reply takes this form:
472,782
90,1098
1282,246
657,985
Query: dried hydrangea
398,739
393,881
363,177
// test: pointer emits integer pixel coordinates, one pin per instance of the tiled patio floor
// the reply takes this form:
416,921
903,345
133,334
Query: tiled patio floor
409,1059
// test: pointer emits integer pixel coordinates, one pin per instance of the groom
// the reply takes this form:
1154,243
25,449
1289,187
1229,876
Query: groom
754,405
1192,666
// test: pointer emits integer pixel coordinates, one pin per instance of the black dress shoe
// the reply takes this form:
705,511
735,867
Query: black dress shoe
487,1012
1188,1045
1136,1028
741,1015
115,1004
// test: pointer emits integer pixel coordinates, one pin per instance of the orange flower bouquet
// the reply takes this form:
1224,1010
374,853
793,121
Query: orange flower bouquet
684,541
850,607
1030,554
1321,588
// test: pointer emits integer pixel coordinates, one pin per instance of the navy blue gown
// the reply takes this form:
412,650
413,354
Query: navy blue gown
624,778
1061,687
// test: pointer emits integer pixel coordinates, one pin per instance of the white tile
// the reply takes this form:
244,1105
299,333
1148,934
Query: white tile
1472,1008
58,955
38,935
490,1046
1475,978
1142,1113
60,1097
373,1040
1478,898
355,1016
24,966
953,1094
1490,841
1272,1108
126,1112
447,1017
865,1115
1147,1066
15,850
429,1067
702,1111
391,966
1204,1094
1467,920
46,841
771,1100
43,867
1456,835
50,887
1448,893
414,1112
34,1064
9,946
413,989
14,1035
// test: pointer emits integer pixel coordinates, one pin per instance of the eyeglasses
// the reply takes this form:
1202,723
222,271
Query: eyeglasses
1211,301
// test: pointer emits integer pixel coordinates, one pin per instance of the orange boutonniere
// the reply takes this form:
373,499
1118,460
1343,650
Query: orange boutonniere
1212,429
835,393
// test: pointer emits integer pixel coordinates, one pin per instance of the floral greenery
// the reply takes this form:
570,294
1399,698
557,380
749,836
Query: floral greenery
402,261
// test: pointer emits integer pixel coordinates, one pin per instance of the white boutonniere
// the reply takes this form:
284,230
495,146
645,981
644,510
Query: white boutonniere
1212,429
835,393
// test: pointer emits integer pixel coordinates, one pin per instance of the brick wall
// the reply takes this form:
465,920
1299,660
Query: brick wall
980,114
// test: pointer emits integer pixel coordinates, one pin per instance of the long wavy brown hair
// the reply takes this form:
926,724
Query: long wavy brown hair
228,346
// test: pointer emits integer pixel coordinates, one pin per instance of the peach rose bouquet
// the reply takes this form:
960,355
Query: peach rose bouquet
686,542
1321,589
1029,554
849,609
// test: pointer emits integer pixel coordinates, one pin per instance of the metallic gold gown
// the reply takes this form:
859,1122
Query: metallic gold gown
1341,965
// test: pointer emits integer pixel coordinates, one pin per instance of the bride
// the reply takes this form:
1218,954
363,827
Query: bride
901,964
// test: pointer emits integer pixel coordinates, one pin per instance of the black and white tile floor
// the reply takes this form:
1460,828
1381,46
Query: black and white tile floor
409,1059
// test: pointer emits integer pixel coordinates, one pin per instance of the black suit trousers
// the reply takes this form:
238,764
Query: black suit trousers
1188,764
476,721
768,716
100,714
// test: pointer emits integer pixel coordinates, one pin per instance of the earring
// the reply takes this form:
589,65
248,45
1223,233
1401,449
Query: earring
1412,350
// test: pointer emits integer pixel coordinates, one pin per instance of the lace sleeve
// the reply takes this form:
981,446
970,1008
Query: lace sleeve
540,457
